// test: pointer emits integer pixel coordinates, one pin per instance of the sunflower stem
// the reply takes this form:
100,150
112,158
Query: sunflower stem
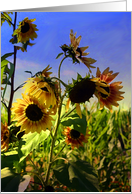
53,140
12,77
59,152
39,174
60,68
67,114
64,84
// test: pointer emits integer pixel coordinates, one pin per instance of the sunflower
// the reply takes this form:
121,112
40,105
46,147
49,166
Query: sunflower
31,115
112,90
74,137
26,30
44,89
4,137
79,52
81,90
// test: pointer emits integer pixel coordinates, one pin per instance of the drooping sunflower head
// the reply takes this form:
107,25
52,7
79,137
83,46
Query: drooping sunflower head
4,137
74,137
82,90
43,88
79,52
108,94
26,30
31,115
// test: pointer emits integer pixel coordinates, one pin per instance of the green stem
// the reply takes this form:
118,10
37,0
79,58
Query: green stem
12,77
64,84
37,171
60,158
56,125
59,152
53,140
60,68
67,114
37,176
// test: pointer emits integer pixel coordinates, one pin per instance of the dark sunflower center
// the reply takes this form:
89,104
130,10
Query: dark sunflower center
107,89
74,134
44,89
25,28
82,91
33,112
79,50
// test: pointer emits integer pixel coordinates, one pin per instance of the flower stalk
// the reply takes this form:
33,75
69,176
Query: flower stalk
53,140
12,77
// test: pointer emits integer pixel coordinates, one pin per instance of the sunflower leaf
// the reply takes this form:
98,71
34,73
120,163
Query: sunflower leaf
3,65
5,56
74,122
59,55
29,142
9,180
79,175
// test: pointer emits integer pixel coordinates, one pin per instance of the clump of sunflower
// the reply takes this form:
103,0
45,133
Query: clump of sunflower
75,138
112,90
26,31
5,134
77,53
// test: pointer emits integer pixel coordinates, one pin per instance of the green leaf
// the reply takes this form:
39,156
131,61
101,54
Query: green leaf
5,79
30,141
9,180
76,123
59,55
11,70
83,177
7,160
29,72
78,175
6,55
3,65
62,174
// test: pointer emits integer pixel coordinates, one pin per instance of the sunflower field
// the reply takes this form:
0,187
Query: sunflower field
51,139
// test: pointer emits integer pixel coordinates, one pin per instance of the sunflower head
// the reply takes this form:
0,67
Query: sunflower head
43,88
81,90
4,137
108,93
26,30
74,137
31,115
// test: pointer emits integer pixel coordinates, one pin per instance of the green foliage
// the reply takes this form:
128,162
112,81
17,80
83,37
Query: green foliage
77,175
9,180
30,141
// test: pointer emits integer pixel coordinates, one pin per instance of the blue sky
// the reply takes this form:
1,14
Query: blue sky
108,35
